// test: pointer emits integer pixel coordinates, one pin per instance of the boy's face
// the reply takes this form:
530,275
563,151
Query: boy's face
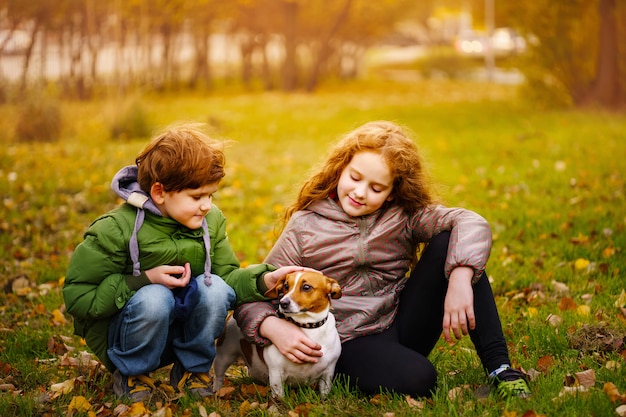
188,207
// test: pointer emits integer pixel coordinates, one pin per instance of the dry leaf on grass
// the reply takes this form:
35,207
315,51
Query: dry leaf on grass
586,378
544,363
613,393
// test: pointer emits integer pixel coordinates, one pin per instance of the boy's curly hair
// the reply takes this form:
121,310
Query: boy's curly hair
181,157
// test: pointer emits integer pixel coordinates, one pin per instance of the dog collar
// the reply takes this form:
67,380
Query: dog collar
304,325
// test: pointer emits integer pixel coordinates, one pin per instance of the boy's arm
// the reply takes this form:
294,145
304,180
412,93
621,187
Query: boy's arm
95,283
225,264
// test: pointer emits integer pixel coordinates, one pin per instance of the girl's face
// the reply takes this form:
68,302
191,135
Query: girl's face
365,184
188,207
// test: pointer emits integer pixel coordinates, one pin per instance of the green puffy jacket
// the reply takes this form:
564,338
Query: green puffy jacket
99,280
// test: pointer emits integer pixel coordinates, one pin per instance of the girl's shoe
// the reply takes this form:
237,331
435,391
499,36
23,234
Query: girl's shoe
512,383
136,387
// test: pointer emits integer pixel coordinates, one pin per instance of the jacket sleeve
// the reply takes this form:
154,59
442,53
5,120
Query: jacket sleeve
224,262
470,236
96,283
249,317
287,249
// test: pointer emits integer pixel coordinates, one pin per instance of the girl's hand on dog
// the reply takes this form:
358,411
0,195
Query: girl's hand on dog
290,340
168,275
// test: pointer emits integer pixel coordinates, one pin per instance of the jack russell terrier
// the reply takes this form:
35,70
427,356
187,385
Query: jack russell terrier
305,299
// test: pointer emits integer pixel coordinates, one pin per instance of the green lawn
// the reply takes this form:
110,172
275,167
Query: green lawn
551,183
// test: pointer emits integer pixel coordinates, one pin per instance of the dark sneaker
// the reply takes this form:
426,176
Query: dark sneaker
136,387
512,383
196,384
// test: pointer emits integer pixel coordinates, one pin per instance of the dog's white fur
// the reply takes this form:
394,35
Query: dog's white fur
306,299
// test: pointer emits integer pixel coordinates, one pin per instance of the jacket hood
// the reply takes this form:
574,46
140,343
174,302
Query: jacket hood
125,185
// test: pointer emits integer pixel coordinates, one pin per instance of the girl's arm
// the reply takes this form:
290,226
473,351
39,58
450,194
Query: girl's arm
470,236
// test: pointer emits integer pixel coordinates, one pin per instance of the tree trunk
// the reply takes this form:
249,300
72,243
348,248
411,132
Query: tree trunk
290,68
606,90
324,47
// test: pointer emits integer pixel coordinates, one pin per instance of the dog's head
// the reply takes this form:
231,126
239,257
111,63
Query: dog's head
305,291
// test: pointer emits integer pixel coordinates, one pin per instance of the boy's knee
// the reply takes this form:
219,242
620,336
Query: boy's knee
217,294
155,301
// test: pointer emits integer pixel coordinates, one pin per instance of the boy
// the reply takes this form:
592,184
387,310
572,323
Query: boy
153,280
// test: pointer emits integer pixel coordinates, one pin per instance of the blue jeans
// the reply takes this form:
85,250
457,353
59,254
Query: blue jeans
145,335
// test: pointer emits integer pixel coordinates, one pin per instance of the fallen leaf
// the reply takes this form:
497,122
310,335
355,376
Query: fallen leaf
254,389
621,300
581,264
567,303
560,287
554,320
120,409
225,392
586,378
608,252
413,403
621,410
612,392
583,310
244,408
456,392
544,363
137,409
79,403
58,319
64,387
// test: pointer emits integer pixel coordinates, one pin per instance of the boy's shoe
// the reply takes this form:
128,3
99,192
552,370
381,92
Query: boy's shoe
136,387
512,383
196,384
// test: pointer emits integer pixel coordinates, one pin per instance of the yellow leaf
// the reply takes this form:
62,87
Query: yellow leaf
608,252
621,300
581,264
58,317
583,310
137,409
79,403
532,312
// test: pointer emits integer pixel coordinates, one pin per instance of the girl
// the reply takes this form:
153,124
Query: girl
361,219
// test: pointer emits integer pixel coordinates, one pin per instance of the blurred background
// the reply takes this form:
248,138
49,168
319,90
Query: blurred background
561,52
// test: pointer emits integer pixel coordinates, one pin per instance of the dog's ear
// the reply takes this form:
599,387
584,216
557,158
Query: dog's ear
334,289
276,289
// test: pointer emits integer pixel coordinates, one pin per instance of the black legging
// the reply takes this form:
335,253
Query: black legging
396,359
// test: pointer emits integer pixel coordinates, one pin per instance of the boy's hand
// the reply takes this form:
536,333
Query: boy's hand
271,278
165,275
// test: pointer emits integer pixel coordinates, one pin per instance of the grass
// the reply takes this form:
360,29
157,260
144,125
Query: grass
551,183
